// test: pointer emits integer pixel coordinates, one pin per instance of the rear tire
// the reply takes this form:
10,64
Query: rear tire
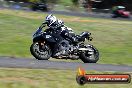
43,53
86,58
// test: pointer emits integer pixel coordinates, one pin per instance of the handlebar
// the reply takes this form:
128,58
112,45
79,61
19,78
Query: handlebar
42,25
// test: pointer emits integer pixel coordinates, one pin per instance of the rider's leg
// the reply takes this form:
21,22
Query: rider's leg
71,36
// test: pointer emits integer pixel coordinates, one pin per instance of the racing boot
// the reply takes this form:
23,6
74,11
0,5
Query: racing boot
84,35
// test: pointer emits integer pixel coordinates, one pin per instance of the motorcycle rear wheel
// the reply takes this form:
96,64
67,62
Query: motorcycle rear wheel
86,58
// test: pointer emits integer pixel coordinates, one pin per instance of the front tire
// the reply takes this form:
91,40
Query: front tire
90,58
43,53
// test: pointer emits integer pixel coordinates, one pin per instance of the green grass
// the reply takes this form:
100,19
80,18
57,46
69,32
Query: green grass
111,37
66,2
47,78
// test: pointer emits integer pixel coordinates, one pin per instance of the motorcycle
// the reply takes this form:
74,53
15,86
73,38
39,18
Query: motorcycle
45,45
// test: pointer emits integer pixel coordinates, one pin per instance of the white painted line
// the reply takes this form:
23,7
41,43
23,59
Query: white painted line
21,2
97,1
106,9
11,1
94,8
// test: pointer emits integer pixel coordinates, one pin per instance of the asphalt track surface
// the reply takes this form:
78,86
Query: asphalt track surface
33,63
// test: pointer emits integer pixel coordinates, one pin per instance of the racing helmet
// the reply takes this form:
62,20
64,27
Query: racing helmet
53,22
50,19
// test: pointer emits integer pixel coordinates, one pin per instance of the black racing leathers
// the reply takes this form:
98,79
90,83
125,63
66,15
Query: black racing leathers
65,33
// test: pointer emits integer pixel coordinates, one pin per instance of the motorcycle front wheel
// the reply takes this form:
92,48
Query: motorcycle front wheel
40,52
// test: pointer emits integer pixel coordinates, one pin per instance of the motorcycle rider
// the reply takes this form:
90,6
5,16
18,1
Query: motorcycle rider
60,29
58,25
